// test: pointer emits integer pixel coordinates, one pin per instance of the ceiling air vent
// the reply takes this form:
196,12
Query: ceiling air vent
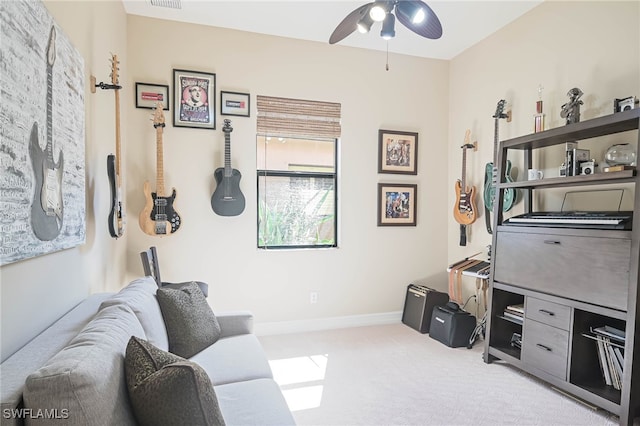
174,4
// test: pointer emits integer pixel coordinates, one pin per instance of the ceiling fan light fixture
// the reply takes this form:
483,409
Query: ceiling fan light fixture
388,27
365,23
378,12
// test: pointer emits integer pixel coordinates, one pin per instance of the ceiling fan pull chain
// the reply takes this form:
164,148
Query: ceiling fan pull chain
387,55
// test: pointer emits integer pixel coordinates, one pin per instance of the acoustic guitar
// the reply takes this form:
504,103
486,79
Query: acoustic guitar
47,206
158,217
464,210
491,173
227,199
117,212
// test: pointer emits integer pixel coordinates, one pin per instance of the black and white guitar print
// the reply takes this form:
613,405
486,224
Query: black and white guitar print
47,206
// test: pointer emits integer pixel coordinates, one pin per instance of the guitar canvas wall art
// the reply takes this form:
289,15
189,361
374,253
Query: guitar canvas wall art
397,152
194,99
42,170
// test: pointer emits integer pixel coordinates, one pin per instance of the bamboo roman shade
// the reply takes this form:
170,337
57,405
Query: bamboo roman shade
296,118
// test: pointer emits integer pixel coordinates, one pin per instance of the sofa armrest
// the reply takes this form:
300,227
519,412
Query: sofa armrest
233,323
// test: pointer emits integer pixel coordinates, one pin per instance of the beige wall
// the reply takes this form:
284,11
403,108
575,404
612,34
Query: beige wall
591,45
368,273
35,292
370,270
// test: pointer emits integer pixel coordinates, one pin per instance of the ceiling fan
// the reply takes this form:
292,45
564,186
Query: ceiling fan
413,14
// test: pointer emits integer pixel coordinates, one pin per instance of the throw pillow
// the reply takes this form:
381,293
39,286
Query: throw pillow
165,389
191,324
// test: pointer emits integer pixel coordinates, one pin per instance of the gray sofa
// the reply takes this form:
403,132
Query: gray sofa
74,372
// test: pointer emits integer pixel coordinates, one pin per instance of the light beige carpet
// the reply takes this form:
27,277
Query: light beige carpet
393,375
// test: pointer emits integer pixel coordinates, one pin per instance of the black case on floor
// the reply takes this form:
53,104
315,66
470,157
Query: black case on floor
419,304
452,326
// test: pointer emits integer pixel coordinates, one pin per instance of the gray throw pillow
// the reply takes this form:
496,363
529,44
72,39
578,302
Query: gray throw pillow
191,324
165,389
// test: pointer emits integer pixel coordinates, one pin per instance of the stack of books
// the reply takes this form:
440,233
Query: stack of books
610,354
515,313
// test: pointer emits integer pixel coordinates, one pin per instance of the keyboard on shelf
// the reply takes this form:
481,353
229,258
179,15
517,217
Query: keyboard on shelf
575,219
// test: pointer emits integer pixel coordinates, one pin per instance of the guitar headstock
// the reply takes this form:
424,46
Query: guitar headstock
114,69
500,109
467,141
51,47
227,126
158,116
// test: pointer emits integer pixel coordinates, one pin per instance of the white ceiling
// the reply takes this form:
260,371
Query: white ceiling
464,23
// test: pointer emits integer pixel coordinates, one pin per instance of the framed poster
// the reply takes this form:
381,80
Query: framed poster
148,95
42,119
397,152
232,103
397,204
194,99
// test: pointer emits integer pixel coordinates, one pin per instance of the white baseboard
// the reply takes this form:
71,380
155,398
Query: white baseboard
301,326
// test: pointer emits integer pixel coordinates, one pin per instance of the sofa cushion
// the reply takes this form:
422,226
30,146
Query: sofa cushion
87,376
140,296
166,389
234,359
254,402
191,324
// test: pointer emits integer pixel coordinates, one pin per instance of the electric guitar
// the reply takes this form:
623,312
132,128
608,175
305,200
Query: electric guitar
227,199
464,211
491,173
117,212
47,206
158,217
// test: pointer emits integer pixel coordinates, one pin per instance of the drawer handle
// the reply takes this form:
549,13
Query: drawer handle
544,311
546,348
552,242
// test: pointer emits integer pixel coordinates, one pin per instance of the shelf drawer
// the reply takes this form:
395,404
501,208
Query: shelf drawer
548,313
591,269
545,348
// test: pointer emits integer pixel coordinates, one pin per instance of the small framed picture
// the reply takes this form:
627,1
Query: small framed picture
194,99
148,95
397,204
397,152
232,103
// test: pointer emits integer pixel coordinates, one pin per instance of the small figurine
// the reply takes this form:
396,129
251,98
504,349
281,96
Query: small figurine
571,110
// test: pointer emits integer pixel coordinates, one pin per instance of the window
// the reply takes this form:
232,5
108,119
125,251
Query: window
296,172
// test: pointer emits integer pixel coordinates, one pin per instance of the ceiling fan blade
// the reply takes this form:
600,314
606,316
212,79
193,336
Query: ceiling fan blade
430,27
349,24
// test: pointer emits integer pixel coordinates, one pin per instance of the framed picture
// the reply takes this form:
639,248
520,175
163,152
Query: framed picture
397,204
148,95
232,103
397,152
194,99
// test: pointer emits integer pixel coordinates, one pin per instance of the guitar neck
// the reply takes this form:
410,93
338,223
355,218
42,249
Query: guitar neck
464,169
495,143
160,162
228,172
118,134
49,113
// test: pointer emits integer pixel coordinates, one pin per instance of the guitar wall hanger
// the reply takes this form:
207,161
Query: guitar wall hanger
103,86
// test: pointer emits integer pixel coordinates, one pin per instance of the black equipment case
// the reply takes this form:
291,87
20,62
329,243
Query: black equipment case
451,325
419,304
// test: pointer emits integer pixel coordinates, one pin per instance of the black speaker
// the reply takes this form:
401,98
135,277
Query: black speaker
419,304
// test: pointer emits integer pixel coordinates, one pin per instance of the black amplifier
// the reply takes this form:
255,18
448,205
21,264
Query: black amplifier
452,326
419,304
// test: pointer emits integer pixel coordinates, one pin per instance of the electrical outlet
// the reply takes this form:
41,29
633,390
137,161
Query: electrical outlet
313,297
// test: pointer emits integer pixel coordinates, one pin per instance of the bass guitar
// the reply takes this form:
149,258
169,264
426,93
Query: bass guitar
464,211
47,206
117,213
158,217
227,199
491,173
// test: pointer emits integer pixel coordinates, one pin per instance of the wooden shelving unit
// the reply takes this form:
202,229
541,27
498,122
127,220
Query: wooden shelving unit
560,312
